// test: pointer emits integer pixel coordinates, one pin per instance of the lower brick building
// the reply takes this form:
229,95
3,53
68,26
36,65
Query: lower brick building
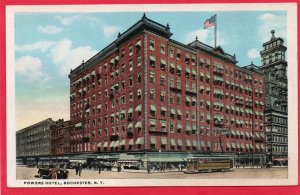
60,137
146,92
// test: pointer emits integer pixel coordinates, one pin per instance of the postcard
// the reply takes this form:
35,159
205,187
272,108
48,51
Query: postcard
152,95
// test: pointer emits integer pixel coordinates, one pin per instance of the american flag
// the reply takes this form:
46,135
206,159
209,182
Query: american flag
210,22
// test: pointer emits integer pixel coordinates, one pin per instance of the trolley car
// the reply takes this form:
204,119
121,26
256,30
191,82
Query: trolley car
209,164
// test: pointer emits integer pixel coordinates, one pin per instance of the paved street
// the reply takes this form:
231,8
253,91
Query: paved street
241,173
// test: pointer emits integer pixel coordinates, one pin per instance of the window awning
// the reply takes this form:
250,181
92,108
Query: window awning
152,58
247,146
261,103
208,144
187,56
122,142
228,145
188,142
242,133
179,126
163,123
78,125
251,146
130,110
232,132
188,128
237,133
116,144
172,65
105,144
112,61
208,103
194,143
130,142
138,108
201,74
257,146
233,145
208,117
130,125
88,110
163,62
242,145
179,141
194,127
262,134
138,124
232,108
179,112
208,75
187,70
178,67
152,122
164,141
194,72
138,43
238,145
172,142
262,146
187,98
172,111
247,134
257,135
153,108
202,143
194,99
163,109
139,140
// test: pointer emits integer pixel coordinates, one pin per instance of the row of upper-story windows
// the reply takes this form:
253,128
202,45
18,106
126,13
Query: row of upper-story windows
276,119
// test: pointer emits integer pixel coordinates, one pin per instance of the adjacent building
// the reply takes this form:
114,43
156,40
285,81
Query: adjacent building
147,92
34,140
60,137
274,67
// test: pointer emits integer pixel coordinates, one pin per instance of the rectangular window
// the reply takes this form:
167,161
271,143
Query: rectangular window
152,94
130,50
130,82
162,48
131,97
130,65
152,44
162,96
152,77
162,80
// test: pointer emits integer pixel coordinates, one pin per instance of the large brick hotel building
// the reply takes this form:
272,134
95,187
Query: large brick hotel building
148,92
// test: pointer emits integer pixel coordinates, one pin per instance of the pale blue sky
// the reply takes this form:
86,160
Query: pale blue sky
48,45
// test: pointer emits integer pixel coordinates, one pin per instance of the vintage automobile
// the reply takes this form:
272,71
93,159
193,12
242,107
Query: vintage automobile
53,171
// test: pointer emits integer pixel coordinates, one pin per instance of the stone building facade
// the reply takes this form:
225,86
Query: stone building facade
34,140
148,92
274,67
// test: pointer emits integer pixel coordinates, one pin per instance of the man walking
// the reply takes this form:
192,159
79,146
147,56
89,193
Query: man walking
79,169
99,167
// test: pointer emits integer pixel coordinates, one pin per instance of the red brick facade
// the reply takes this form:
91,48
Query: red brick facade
147,92
60,137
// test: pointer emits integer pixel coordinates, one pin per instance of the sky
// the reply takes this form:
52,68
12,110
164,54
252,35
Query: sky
48,45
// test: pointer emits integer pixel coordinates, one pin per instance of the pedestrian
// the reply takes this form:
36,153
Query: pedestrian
79,169
149,168
119,167
99,167
76,168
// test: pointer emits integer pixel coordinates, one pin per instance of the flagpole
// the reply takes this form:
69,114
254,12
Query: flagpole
215,30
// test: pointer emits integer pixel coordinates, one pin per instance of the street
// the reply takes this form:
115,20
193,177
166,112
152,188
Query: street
241,173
